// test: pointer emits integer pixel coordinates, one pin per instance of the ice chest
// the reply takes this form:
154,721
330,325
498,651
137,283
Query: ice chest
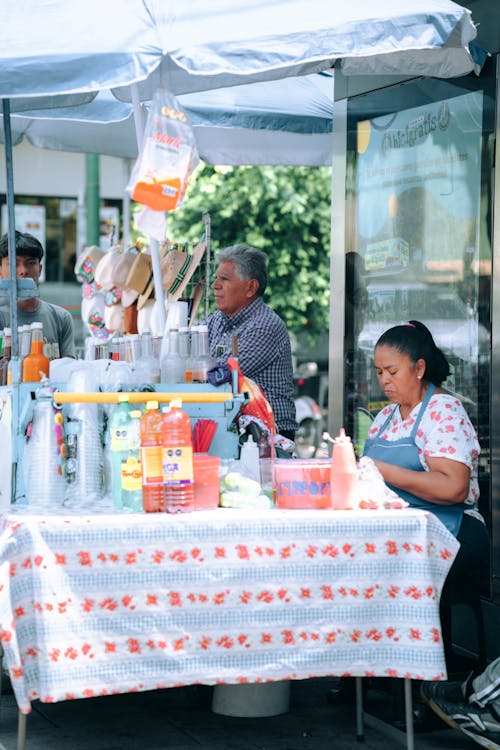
302,483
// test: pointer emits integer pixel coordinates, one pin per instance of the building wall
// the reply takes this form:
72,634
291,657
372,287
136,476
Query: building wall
61,174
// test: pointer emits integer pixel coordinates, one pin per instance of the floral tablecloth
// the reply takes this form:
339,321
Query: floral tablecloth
102,604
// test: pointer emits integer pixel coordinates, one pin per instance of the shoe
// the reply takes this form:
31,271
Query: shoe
480,724
451,692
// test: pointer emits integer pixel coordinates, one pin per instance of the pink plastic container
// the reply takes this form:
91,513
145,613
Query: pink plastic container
206,471
302,483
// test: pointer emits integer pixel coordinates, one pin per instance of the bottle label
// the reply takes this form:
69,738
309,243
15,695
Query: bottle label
151,465
178,465
131,474
119,438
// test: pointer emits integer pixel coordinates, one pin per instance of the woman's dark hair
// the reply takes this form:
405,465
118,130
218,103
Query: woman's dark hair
415,340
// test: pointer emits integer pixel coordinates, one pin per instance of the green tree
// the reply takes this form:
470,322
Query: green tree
284,211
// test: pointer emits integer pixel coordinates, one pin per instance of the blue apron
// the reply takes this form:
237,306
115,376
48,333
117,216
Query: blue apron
404,453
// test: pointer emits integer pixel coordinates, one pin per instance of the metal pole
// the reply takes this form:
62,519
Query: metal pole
12,293
92,199
11,231
206,222
154,246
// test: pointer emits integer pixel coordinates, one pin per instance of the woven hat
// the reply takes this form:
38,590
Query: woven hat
129,296
86,263
114,318
139,273
105,270
120,270
177,269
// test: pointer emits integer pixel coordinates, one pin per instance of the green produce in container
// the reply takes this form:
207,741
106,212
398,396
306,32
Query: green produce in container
238,482
235,499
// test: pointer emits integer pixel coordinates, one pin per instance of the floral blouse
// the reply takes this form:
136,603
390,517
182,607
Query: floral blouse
445,431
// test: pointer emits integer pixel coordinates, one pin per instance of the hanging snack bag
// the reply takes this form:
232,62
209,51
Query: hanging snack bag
167,157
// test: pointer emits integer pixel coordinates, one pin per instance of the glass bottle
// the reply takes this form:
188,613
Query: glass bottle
203,362
6,354
172,365
148,361
193,353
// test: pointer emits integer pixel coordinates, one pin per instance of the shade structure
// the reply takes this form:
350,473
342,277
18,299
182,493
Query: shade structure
72,49
288,121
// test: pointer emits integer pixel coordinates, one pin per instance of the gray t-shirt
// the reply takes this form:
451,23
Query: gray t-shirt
57,327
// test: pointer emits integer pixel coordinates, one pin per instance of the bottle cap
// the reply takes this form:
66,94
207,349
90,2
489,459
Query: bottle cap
36,325
151,405
342,437
176,403
122,397
135,414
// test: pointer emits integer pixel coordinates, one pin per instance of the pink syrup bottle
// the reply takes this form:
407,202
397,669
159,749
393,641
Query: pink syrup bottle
344,474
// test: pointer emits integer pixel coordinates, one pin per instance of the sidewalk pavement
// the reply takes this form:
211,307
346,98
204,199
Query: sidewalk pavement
181,719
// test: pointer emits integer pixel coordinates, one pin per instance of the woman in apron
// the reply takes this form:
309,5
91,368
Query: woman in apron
425,446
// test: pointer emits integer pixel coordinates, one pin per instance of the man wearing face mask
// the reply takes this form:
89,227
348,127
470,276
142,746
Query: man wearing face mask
56,321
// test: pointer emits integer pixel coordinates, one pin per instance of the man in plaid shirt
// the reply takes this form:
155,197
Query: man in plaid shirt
264,350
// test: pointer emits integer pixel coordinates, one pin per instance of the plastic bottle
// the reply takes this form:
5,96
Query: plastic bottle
119,445
249,459
203,361
172,365
151,458
36,363
6,354
131,469
177,460
344,475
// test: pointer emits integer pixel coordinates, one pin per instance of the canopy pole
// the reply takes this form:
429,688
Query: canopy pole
11,231
153,244
126,208
136,104
11,238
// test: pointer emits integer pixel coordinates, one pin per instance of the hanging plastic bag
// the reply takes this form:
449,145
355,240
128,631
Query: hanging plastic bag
256,410
167,157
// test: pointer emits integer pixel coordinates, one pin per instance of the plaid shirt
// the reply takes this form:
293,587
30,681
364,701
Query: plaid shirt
264,354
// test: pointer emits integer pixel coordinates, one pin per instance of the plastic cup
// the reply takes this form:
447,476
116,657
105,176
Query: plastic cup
206,471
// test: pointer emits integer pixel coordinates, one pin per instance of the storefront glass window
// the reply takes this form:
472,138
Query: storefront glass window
419,237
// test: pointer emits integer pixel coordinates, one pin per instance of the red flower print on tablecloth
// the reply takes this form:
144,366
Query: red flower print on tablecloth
85,558
330,550
178,555
109,603
265,596
327,592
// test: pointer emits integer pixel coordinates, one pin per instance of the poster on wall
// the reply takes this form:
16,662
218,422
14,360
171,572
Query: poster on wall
29,219
418,188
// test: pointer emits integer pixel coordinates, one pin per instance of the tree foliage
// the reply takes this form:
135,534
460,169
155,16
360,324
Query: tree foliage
284,211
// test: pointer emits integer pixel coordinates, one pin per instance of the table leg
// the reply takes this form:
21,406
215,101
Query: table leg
21,731
360,731
410,745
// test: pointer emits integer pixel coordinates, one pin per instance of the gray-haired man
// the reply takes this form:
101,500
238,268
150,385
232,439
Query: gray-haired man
264,350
